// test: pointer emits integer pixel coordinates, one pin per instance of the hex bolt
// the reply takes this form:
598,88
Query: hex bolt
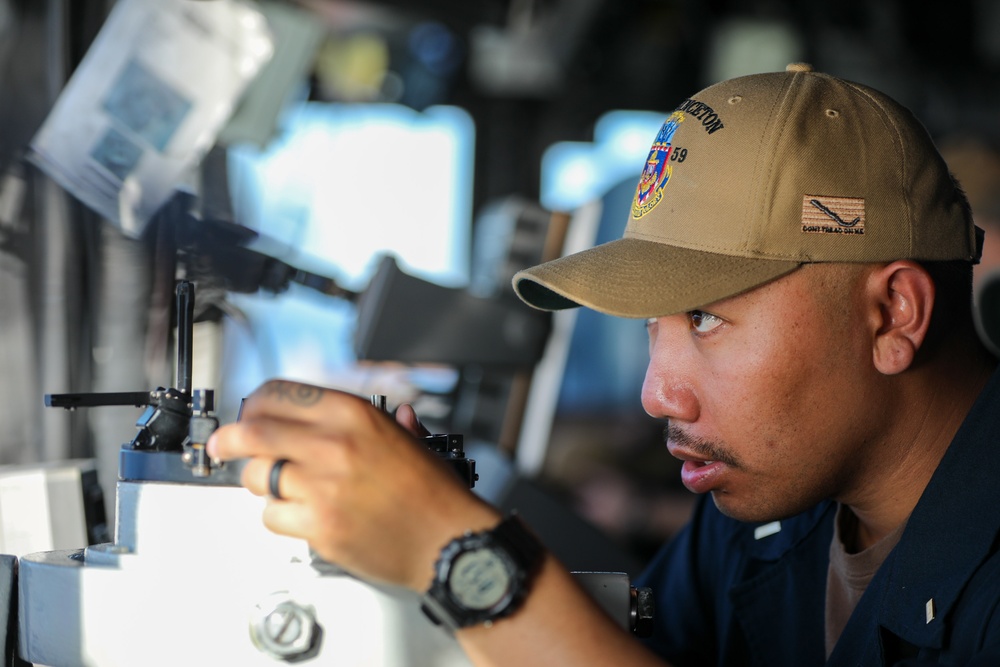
284,629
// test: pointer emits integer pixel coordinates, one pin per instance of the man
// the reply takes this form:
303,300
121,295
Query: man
805,274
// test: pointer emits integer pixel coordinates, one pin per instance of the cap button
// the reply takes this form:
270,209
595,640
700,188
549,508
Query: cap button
799,67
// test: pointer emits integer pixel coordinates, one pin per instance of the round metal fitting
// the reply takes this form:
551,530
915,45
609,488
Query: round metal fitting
285,629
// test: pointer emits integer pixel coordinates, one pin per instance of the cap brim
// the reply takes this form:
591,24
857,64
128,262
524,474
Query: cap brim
639,279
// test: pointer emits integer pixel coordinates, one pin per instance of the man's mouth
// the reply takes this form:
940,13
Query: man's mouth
699,472
701,476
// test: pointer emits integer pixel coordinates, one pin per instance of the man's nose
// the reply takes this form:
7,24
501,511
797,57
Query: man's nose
668,390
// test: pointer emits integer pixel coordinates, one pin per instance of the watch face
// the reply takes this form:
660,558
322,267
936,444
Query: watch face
479,579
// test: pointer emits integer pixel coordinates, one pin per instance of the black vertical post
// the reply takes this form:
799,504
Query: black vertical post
185,335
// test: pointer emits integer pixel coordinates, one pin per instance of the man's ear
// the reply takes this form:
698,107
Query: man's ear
903,300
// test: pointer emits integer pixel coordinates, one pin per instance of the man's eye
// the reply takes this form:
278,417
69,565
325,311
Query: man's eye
703,322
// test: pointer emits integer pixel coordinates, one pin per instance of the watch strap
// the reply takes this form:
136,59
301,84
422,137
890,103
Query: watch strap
513,533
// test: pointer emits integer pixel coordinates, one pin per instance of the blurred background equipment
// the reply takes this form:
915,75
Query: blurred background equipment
463,141
974,160
147,101
57,505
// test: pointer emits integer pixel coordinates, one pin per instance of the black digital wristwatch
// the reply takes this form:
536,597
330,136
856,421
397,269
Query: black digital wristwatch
483,576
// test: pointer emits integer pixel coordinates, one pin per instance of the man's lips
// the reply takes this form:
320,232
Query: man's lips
697,474
701,476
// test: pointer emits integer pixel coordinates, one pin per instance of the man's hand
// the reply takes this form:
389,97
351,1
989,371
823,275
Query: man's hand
359,488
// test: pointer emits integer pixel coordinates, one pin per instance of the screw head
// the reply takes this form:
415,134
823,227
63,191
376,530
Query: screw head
285,629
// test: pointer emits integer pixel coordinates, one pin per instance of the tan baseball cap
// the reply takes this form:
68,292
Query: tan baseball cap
755,176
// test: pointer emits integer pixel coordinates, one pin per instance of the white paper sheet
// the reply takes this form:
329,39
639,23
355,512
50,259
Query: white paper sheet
148,100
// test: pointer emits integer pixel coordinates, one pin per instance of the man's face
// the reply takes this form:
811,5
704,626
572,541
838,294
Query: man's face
771,396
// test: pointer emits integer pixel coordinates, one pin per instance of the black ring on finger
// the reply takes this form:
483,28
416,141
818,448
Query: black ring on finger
275,478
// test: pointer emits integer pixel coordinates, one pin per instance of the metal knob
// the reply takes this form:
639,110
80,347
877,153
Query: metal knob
643,609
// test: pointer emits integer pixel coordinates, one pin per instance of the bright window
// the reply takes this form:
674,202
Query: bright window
343,185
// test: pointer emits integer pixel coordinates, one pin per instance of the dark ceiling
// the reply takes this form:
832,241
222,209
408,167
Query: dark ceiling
533,72
650,54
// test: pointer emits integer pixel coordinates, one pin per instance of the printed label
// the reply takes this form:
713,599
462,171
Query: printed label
833,215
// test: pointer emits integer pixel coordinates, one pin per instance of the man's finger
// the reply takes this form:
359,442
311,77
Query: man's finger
406,416
287,400
288,480
268,438
288,518
278,479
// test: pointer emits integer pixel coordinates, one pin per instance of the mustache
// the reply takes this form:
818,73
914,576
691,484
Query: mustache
707,450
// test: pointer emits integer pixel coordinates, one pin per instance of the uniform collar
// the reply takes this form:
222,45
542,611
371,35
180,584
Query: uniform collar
945,541
946,538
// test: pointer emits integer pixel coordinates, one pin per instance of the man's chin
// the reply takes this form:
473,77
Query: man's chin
740,509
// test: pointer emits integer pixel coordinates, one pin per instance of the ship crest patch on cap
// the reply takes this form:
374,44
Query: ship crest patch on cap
833,215
658,169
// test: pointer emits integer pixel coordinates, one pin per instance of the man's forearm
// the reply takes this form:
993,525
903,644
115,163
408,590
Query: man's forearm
559,624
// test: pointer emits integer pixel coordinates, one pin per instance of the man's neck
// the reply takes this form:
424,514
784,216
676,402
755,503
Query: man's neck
934,406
